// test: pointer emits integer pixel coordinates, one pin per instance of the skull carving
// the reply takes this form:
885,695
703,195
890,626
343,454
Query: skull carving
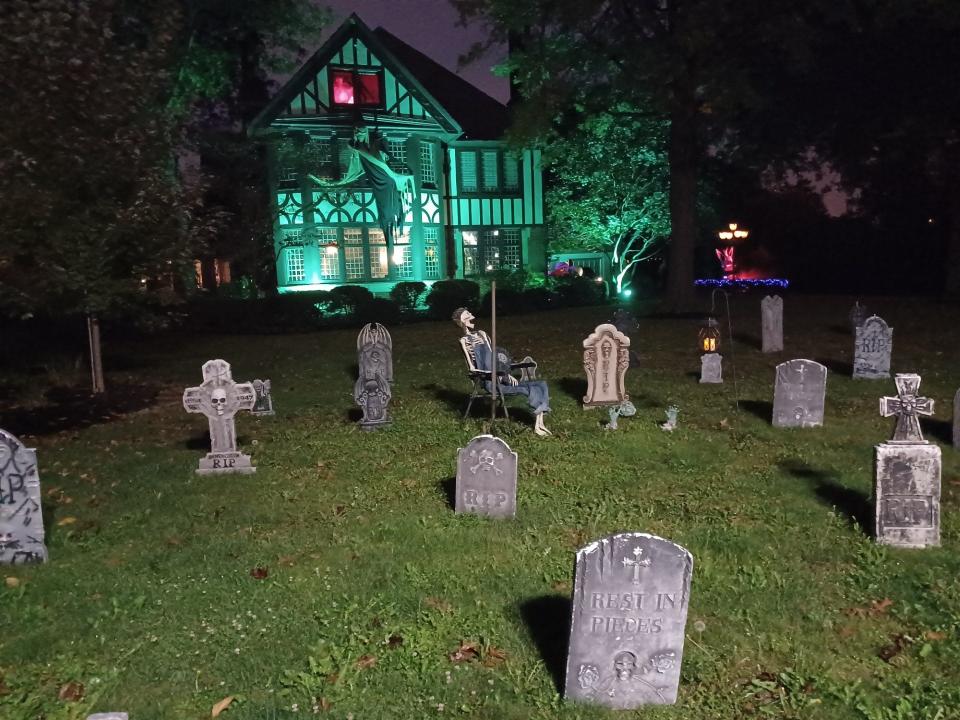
7,540
218,398
625,664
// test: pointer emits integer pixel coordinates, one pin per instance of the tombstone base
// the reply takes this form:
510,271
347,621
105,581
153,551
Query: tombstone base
225,462
369,426
262,413
863,375
33,554
907,495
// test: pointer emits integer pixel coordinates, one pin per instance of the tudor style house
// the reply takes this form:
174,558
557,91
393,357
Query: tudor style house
387,167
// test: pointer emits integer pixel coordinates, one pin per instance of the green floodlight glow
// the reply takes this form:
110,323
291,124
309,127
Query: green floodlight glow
626,292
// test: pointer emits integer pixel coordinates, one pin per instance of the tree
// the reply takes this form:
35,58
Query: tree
608,175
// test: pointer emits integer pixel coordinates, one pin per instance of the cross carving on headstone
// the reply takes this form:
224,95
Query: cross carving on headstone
907,407
636,563
219,398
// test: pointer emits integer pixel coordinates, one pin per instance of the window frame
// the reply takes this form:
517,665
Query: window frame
353,72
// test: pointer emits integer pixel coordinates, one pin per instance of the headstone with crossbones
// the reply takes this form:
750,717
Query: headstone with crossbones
219,398
486,478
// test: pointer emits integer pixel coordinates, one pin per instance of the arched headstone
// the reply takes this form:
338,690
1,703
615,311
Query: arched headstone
872,349
606,357
21,519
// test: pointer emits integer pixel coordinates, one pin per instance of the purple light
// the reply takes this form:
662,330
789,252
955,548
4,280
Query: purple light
742,283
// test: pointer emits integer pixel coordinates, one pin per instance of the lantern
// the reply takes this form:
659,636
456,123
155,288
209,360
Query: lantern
710,336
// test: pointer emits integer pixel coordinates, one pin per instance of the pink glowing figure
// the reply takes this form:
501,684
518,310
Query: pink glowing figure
725,256
342,90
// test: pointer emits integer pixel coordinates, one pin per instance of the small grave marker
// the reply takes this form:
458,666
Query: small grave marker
219,398
486,478
799,394
872,349
606,357
375,363
628,614
771,317
21,520
264,402
711,368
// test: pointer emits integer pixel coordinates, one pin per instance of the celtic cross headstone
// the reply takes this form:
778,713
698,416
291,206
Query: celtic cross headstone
21,520
219,398
907,485
629,610
486,481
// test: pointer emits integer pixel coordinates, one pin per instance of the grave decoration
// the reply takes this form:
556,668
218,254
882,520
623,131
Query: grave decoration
872,349
907,486
606,357
799,394
21,519
711,362
219,398
671,424
771,323
711,368
625,409
263,405
628,613
738,274
109,716
375,373
486,481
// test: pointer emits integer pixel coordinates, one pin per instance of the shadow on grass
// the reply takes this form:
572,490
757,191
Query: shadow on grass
841,329
840,367
941,430
548,620
448,490
352,371
354,415
456,401
574,387
762,409
854,504
200,441
748,340
75,408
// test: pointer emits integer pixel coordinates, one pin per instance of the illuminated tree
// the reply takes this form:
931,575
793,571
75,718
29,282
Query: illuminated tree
609,179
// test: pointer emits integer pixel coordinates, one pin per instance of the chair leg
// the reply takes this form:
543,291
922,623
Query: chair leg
503,403
469,404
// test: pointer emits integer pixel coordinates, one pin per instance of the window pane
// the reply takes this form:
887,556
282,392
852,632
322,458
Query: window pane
511,172
329,253
490,170
378,253
295,272
350,88
318,159
397,150
353,253
427,174
468,171
431,253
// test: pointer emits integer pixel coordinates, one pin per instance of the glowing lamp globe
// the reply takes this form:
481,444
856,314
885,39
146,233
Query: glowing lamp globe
709,336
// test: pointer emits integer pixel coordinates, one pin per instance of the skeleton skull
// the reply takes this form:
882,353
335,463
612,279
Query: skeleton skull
218,398
625,664
7,540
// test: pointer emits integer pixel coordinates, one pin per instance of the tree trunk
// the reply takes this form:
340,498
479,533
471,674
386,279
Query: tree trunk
680,295
96,362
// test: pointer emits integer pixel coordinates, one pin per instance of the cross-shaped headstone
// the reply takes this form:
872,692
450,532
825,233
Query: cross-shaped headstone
636,563
219,398
907,407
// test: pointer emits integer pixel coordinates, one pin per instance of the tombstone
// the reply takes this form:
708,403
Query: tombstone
858,314
907,486
375,362
799,393
628,614
956,420
874,343
263,405
606,357
486,478
21,519
109,716
626,322
771,321
219,398
711,368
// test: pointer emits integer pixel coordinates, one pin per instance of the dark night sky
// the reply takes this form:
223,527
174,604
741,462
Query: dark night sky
430,26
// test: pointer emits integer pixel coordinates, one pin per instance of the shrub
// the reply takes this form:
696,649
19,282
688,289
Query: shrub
347,298
447,295
578,291
539,298
377,310
509,302
407,294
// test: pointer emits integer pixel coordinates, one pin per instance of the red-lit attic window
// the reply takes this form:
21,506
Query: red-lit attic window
355,88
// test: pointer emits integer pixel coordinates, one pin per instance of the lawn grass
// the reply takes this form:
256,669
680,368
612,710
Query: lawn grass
372,581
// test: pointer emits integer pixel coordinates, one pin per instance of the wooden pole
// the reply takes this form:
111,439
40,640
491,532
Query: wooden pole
96,363
496,360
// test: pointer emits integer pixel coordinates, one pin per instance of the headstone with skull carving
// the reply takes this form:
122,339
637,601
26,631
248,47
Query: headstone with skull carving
219,398
21,521
629,611
375,373
264,401
486,478
606,357
799,394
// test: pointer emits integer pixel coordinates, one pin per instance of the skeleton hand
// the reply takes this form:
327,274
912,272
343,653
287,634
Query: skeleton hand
511,380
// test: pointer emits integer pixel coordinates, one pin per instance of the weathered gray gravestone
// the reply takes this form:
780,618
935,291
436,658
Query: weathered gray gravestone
799,393
109,716
628,614
606,357
21,520
375,363
907,486
771,323
956,420
486,478
264,401
711,368
872,349
219,398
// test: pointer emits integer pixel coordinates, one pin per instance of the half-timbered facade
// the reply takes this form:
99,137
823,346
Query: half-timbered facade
473,206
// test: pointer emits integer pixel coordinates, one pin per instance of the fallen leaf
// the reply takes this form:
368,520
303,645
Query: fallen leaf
494,656
893,650
465,653
12,582
324,704
846,631
366,661
724,424
221,706
174,541
394,641
339,510
69,520
561,586
259,573
438,604
71,692
932,635
880,607
286,560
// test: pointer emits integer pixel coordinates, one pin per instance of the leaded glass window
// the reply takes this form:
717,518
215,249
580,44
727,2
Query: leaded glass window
428,175
431,253
295,268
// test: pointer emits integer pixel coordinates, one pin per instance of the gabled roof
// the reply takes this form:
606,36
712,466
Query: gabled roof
459,107
480,116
